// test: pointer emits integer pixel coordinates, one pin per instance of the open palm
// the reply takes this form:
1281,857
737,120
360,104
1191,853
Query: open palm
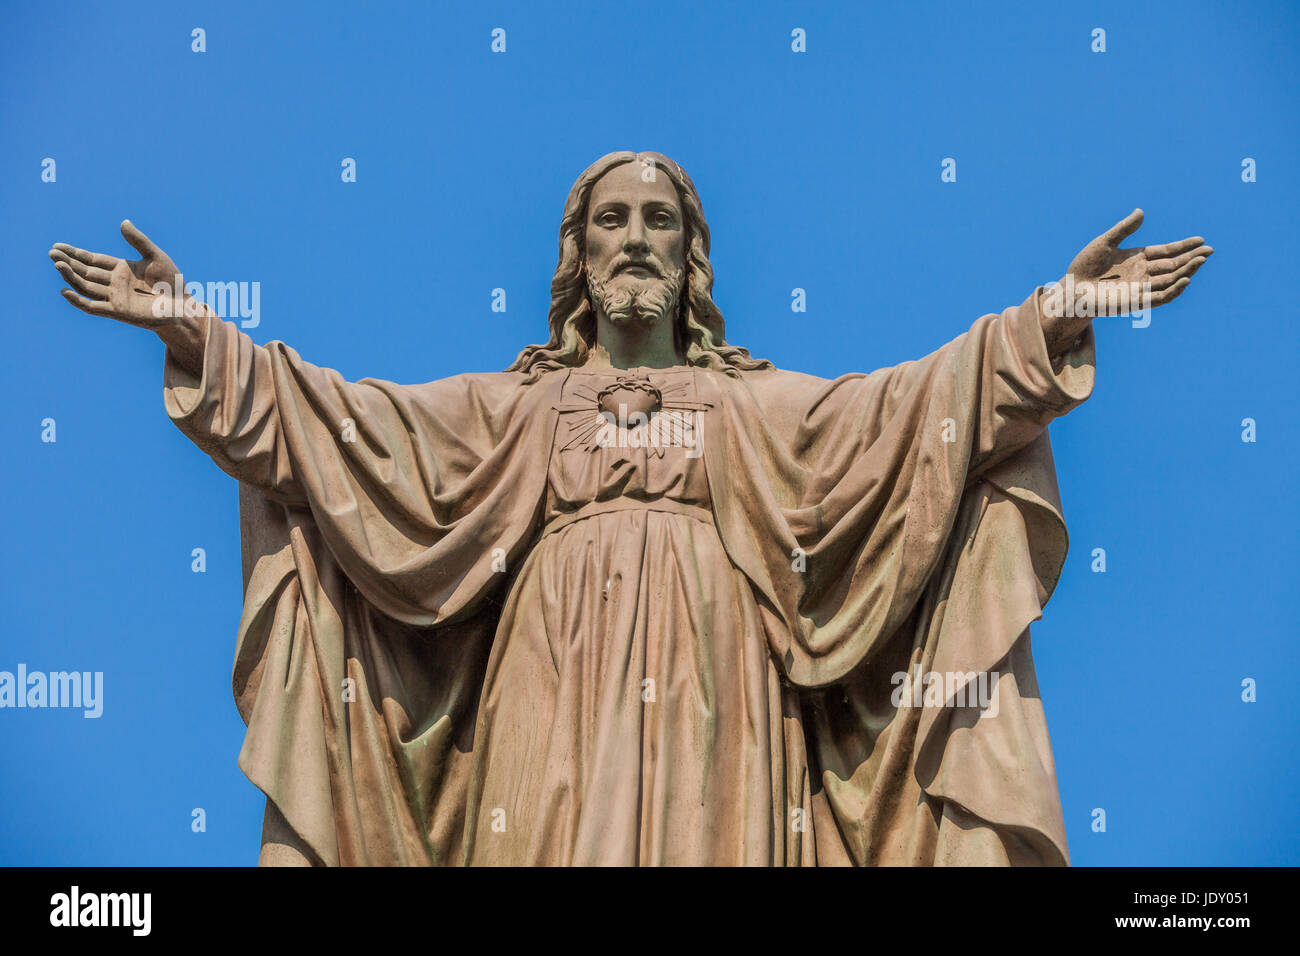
1165,270
121,289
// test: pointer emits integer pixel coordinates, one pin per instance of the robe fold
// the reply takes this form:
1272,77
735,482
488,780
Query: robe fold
903,522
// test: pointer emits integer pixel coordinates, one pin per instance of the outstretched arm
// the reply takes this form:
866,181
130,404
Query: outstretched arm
415,489
1034,361
1105,280
292,429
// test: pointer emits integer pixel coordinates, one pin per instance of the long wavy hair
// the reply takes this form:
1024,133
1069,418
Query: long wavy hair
697,326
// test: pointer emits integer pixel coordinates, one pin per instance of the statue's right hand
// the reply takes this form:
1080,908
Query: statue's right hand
141,292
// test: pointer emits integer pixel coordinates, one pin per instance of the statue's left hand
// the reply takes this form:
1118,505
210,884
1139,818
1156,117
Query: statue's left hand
1107,280
1165,270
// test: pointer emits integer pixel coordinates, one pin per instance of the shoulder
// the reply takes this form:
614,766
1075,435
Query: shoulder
491,396
465,383
783,387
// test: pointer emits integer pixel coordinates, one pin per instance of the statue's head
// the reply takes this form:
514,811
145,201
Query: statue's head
634,243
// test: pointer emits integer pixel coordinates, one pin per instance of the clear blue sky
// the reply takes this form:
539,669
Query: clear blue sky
818,170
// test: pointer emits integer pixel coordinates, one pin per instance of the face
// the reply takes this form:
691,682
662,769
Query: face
636,243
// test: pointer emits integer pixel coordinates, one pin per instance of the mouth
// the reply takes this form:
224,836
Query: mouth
637,269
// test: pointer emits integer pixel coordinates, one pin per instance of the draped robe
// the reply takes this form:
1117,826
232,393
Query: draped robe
903,521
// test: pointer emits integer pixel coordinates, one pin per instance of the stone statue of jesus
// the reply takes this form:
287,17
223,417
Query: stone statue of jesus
642,598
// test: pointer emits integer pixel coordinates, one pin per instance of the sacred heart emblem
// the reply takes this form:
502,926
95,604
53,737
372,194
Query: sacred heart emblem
634,395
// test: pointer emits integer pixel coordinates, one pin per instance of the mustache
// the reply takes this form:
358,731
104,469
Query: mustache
623,263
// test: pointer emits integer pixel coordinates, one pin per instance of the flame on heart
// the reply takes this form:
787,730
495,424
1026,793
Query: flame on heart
635,393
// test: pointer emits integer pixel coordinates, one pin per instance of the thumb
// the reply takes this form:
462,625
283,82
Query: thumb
1124,228
142,243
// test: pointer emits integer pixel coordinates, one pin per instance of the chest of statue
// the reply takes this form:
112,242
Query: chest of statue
632,436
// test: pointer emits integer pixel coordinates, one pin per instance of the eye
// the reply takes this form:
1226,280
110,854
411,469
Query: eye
662,219
608,219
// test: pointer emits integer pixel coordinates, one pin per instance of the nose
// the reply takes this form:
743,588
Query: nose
635,240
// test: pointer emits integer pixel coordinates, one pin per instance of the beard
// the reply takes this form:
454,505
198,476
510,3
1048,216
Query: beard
627,299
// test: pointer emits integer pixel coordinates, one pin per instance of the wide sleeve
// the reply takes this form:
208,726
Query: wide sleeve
229,411
985,395
420,492
850,489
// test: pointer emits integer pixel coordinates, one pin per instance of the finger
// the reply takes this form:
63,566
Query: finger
1168,295
92,273
1124,228
1172,278
94,307
1169,265
142,243
90,258
1173,248
92,289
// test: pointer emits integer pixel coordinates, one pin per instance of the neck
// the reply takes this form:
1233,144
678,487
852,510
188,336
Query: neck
635,345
